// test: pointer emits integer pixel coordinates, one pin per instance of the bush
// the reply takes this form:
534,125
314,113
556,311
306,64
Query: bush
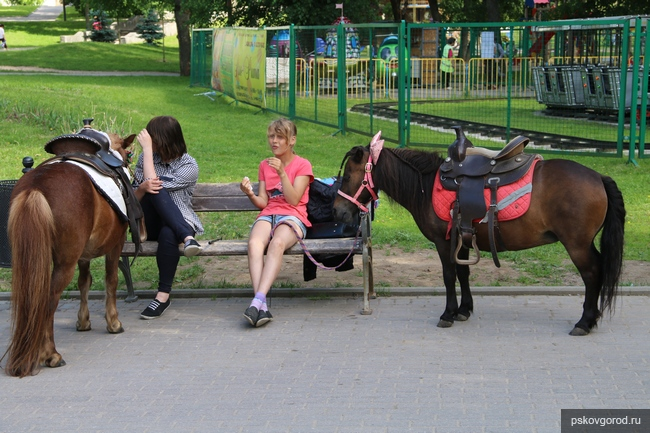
102,31
149,29
25,2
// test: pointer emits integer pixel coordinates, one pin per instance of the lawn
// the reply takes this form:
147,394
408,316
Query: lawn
16,11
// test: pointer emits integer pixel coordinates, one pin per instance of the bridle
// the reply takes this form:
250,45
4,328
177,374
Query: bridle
366,184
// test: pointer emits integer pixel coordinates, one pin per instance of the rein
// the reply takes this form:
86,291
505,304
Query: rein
308,254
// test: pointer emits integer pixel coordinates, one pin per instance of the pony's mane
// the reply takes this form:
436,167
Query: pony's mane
409,174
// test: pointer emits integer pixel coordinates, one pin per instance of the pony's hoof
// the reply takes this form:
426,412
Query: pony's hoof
117,330
578,332
55,362
461,317
82,328
445,324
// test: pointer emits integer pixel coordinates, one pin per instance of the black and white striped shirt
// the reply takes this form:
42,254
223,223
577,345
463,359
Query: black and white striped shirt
179,178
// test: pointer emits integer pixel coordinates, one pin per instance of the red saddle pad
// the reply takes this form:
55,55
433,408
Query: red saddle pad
443,200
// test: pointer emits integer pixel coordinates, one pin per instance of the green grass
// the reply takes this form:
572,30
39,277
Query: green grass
525,114
16,11
96,56
22,34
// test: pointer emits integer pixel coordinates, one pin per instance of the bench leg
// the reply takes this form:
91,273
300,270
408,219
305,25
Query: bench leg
125,267
368,281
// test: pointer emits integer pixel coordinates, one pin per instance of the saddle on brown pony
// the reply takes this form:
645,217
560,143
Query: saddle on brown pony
93,148
468,171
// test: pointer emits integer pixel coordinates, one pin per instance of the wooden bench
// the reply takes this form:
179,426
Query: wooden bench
227,197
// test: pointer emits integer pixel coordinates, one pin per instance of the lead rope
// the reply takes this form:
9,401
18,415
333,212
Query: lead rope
308,254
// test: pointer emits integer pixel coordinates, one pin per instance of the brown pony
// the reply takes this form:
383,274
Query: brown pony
57,220
569,203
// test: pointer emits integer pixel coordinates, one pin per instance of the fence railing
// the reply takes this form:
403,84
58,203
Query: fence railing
365,91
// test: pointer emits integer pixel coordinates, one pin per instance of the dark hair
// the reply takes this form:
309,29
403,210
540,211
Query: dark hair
451,41
167,137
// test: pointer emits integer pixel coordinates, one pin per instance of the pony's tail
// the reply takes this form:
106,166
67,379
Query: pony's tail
611,244
31,234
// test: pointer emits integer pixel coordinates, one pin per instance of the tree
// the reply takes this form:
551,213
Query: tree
149,29
102,31
434,11
182,16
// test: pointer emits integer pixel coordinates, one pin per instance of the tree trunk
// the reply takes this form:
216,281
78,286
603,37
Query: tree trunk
433,11
493,13
229,13
184,38
397,14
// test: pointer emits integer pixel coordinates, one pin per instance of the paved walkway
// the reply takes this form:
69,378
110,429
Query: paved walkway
48,11
323,367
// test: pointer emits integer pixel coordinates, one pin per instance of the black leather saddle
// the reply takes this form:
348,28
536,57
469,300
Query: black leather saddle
87,141
468,171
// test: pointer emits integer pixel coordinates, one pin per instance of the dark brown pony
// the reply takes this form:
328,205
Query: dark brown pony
570,203
58,220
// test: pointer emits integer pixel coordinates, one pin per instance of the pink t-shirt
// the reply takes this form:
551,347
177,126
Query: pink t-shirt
277,204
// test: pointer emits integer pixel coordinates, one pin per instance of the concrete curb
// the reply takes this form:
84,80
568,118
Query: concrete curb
358,291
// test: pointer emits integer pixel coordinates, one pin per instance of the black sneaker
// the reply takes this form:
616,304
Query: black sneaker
192,248
155,309
263,318
251,314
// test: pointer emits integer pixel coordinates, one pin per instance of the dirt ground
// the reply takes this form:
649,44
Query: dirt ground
396,268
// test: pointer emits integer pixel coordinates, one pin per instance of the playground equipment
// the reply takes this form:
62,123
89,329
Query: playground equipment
389,54
280,44
325,62
587,65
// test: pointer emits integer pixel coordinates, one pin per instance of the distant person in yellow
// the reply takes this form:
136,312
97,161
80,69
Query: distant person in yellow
446,64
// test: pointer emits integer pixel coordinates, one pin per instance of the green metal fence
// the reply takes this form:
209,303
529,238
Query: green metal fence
560,83
201,59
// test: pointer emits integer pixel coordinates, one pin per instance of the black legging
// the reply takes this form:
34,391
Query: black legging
165,224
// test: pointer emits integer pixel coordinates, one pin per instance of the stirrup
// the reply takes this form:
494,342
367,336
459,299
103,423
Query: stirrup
467,261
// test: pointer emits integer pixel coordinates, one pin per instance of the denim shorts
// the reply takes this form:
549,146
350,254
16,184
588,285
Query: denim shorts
274,220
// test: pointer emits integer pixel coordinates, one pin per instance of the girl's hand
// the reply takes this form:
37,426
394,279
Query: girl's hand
246,187
145,140
275,164
151,186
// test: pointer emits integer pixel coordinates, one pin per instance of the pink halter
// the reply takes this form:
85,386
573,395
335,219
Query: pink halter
367,184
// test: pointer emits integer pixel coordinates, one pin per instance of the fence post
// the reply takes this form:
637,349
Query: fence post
341,77
401,79
292,72
644,95
622,91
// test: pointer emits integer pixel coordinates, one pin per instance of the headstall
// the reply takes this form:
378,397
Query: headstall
367,184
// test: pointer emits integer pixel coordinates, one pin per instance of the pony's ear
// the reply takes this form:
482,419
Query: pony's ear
376,145
128,141
357,154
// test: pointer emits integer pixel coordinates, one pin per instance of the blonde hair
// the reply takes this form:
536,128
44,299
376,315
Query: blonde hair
283,128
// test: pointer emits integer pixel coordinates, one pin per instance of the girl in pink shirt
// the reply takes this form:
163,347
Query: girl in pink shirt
283,193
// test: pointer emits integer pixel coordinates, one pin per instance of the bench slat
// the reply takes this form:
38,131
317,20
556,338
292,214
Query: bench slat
240,247
222,204
221,197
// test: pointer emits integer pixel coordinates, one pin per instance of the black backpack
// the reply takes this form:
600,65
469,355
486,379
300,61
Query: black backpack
322,194
320,211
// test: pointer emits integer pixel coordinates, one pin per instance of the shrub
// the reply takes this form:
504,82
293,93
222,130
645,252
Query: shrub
102,32
149,29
